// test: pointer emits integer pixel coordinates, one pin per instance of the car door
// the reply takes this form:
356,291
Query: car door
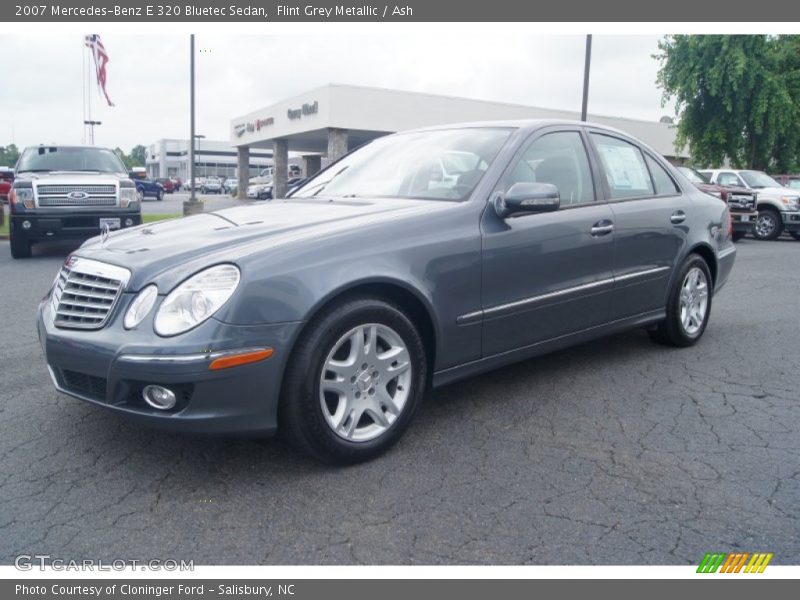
650,216
547,274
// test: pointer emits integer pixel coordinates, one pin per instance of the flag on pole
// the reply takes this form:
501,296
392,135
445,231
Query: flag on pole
100,61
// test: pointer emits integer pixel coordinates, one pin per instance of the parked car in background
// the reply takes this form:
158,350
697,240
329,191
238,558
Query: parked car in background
259,191
177,183
212,185
230,185
167,184
147,188
196,183
69,192
741,201
329,315
6,179
778,206
789,181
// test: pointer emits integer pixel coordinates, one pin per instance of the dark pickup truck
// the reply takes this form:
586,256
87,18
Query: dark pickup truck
69,192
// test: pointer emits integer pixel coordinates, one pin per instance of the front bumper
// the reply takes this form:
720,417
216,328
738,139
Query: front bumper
73,225
110,366
791,220
743,221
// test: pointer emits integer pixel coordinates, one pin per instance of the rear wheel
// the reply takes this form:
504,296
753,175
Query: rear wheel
353,382
159,196
768,224
688,307
20,248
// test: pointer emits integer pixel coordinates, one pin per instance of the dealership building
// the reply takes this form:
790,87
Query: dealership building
170,158
323,124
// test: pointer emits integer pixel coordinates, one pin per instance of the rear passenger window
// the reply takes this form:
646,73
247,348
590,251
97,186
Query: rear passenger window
663,182
624,166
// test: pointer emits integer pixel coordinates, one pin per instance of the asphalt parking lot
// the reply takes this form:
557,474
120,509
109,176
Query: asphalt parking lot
614,452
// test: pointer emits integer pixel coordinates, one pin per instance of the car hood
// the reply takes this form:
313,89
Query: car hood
183,246
776,192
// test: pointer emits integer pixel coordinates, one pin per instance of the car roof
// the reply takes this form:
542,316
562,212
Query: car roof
525,124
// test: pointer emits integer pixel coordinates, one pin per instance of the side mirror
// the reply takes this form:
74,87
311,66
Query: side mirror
527,198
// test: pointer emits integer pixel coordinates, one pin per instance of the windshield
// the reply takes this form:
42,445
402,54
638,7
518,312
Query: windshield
427,165
693,175
758,179
53,158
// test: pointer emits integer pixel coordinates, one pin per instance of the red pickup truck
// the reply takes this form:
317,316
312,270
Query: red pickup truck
6,179
741,201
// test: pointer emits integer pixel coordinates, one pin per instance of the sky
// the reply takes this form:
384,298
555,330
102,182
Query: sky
41,98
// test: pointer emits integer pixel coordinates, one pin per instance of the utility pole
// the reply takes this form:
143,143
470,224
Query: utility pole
586,67
192,206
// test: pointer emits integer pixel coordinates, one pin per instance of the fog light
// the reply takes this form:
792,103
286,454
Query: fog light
159,397
128,222
26,224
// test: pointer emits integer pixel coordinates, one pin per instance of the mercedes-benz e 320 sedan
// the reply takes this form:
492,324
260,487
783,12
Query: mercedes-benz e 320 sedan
416,260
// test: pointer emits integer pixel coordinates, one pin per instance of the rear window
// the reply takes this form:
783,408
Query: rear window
54,158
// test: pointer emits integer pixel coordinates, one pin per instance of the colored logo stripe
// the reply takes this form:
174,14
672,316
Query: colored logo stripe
734,562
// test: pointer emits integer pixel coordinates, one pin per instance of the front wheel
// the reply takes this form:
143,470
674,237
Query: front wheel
688,307
768,224
20,248
354,381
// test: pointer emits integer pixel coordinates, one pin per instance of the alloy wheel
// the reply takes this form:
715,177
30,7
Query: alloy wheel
693,301
765,225
365,382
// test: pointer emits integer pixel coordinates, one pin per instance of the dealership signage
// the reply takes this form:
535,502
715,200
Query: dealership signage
251,126
304,111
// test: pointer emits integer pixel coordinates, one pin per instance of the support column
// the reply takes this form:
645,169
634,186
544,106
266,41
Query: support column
280,157
312,163
242,171
337,144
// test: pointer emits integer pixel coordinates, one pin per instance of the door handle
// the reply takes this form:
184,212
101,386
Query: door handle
677,217
603,227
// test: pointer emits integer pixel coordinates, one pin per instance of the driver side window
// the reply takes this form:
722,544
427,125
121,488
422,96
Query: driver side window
560,159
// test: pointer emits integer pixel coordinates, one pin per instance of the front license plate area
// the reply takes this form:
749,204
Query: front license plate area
110,223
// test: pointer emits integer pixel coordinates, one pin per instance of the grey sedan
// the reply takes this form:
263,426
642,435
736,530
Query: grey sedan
419,259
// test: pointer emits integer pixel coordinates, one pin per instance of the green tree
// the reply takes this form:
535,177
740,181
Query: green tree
737,98
138,155
8,155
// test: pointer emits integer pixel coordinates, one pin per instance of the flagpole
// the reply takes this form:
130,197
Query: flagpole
83,87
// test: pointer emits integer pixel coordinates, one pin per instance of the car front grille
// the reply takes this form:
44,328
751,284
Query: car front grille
63,190
86,292
50,195
64,201
741,201
84,385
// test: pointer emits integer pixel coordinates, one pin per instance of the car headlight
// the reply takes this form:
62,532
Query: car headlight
22,195
140,307
128,197
196,299
790,202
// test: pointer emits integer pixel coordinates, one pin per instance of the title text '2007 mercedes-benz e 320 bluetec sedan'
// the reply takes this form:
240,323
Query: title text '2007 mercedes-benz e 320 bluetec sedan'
416,260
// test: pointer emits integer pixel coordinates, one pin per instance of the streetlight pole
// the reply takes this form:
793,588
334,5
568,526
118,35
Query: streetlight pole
192,206
91,125
586,65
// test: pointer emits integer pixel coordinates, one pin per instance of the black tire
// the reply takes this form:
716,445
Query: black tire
737,235
20,248
159,196
301,419
670,331
768,215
